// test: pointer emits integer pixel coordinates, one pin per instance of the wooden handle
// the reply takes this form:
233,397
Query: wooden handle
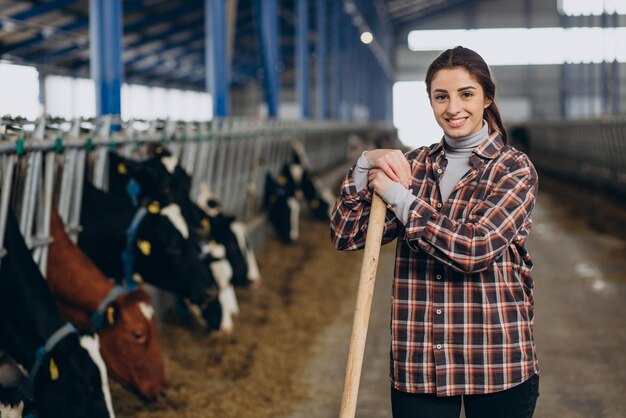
363,307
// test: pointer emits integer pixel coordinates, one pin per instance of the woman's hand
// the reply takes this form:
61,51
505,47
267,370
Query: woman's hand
393,163
379,181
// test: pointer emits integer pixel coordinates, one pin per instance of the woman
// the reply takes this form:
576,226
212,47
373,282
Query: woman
462,309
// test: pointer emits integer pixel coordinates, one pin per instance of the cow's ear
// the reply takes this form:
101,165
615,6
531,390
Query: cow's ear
122,169
112,313
154,207
53,369
145,247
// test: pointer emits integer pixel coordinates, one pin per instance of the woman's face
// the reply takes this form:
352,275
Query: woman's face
458,102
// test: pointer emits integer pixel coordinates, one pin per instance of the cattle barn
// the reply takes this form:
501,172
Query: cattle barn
176,177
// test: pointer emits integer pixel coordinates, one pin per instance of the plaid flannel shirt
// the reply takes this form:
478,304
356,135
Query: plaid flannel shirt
462,305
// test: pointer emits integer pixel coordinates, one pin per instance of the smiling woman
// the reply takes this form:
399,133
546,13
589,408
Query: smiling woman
460,210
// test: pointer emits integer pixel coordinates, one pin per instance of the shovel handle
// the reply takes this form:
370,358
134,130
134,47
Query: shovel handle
363,306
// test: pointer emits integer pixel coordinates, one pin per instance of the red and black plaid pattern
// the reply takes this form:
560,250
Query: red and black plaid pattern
462,309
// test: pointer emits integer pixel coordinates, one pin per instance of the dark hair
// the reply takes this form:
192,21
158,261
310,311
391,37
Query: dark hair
460,57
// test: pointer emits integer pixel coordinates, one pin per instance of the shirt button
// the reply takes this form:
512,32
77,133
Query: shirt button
438,277
439,205
438,311
438,346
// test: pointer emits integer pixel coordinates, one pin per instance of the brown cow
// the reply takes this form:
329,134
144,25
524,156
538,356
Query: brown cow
128,337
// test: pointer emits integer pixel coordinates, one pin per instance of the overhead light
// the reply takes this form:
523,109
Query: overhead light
367,38
47,32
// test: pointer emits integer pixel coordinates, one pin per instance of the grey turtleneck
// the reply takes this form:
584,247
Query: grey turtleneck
458,152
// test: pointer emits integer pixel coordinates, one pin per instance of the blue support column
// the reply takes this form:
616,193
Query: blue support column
302,58
321,77
352,70
268,24
336,31
345,63
616,84
105,34
216,56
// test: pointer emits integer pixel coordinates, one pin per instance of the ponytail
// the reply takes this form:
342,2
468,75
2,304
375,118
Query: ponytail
494,120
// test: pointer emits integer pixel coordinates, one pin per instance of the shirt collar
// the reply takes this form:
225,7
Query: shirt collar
488,149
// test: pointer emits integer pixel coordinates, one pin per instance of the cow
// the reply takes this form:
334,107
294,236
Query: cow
233,235
66,379
320,200
162,179
124,320
303,183
149,243
283,208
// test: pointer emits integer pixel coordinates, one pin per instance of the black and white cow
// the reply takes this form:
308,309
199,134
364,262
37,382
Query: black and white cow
155,247
162,178
283,208
66,373
319,199
304,184
233,235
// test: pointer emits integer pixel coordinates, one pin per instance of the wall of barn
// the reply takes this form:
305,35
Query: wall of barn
525,92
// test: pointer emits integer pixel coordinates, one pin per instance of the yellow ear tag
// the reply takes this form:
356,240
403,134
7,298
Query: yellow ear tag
110,313
205,224
315,203
282,180
54,370
154,207
121,168
144,247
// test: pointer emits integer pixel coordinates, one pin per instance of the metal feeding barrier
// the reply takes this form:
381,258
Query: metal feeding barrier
44,163
589,151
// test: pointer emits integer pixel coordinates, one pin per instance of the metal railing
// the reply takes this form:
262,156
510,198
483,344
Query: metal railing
590,151
45,163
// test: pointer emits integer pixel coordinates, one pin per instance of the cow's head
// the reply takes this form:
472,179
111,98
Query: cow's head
319,201
129,344
128,341
121,171
283,208
126,326
230,233
68,382
165,257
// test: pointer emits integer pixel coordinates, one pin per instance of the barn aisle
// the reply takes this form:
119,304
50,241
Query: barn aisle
325,371
580,315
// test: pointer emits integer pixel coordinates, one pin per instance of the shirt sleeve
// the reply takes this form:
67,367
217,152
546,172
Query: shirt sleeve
350,215
472,245
399,200
361,171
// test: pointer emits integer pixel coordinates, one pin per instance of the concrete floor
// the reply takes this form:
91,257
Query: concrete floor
580,326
